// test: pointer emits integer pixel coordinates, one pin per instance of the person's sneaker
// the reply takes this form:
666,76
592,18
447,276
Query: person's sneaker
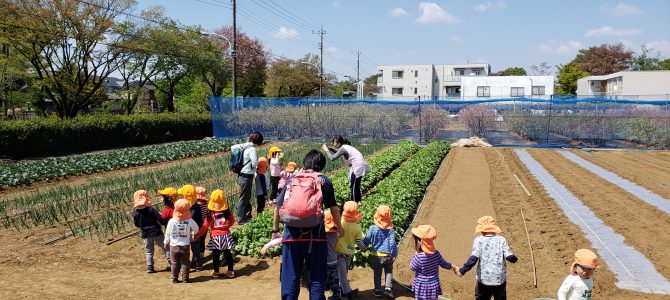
377,293
150,269
199,268
215,274
185,280
388,293
174,280
353,294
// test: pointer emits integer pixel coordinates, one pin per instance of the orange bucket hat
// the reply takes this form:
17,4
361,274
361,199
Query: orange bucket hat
383,217
487,224
586,258
200,193
427,234
141,198
189,193
182,210
217,202
290,167
350,212
262,166
328,222
172,192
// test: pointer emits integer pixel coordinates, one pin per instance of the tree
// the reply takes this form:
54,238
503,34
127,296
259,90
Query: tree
66,44
542,69
603,60
344,86
252,62
513,71
644,62
664,64
370,88
567,78
290,78
477,119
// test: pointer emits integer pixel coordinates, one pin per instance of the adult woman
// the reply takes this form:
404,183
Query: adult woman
245,178
306,245
358,167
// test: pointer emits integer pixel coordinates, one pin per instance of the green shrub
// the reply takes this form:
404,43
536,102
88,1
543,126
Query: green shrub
52,136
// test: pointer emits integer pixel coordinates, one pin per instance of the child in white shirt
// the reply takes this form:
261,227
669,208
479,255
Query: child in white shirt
579,284
179,233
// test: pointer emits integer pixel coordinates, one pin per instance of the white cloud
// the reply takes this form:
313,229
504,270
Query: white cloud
285,33
331,50
456,39
609,31
560,47
433,13
662,46
499,5
336,4
623,10
397,12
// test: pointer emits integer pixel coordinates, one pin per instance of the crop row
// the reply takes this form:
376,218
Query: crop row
251,238
56,167
402,191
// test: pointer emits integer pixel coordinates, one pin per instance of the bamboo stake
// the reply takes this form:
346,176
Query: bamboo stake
523,186
532,257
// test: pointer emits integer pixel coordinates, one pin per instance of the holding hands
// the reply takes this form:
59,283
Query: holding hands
456,271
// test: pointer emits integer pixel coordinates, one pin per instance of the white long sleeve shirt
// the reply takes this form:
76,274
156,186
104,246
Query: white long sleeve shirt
575,288
180,233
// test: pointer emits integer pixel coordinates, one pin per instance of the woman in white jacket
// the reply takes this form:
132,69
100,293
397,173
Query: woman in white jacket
358,167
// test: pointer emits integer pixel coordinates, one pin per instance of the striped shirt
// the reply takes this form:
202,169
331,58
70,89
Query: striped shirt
426,283
382,240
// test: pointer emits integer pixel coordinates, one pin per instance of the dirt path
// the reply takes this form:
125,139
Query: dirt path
453,203
633,167
644,227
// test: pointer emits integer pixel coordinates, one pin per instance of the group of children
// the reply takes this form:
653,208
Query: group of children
186,222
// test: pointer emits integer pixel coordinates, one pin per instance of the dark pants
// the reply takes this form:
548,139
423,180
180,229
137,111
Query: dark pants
245,182
382,264
334,282
355,188
260,204
197,255
216,256
485,292
274,182
294,256
179,261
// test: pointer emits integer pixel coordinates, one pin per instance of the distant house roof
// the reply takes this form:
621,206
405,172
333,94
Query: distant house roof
112,82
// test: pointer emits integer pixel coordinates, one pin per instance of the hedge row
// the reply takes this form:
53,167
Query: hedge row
52,136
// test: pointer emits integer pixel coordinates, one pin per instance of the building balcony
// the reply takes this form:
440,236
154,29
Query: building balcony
452,78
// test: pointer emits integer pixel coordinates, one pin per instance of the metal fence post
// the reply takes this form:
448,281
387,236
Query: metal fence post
551,103
309,119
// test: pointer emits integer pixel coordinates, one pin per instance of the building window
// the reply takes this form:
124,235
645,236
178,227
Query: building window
398,74
396,91
436,80
416,73
538,90
483,91
414,91
517,92
461,72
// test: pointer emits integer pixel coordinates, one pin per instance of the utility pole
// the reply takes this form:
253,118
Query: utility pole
359,94
320,32
233,53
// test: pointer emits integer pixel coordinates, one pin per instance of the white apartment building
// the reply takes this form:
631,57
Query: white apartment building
457,82
637,85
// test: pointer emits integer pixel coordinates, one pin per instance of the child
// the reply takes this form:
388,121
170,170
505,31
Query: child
333,280
426,263
147,218
489,249
201,199
286,174
384,249
262,183
169,195
579,284
220,219
179,233
188,191
275,155
353,235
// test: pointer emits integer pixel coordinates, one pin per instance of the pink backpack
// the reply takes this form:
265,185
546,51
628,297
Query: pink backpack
302,200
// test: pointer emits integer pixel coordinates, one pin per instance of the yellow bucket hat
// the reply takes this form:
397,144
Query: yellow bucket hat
189,193
170,191
217,201
273,150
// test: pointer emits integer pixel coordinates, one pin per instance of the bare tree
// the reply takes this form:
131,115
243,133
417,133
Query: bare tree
542,69
477,119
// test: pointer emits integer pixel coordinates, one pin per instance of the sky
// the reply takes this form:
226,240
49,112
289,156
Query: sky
389,32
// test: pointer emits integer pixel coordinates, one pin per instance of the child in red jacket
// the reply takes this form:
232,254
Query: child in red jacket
169,197
219,220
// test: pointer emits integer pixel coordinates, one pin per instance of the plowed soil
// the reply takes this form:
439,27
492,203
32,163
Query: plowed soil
649,170
643,226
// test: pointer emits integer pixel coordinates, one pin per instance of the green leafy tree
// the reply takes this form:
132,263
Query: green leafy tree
370,88
290,78
344,86
664,64
567,78
645,62
513,71
604,59
66,42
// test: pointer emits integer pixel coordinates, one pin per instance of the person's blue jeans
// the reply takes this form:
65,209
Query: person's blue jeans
294,255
